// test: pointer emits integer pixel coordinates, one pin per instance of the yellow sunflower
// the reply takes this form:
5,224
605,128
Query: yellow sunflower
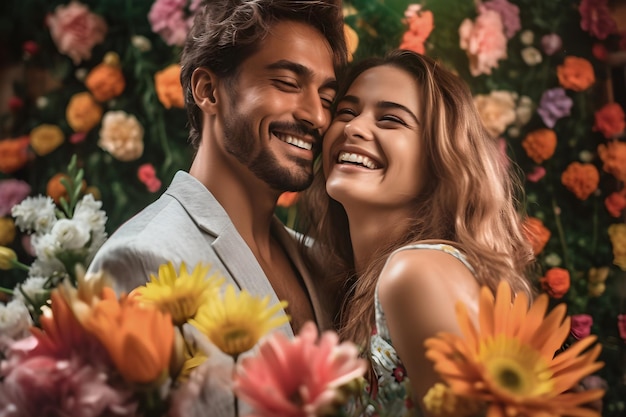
509,363
235,323
180,295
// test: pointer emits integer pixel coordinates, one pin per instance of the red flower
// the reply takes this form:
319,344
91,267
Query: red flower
399,373
609,120
615,203
556,282
621,326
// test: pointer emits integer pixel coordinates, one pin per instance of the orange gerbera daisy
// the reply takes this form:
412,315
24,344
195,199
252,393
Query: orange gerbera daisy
509,363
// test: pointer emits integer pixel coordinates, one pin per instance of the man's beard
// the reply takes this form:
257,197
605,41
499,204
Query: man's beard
240,141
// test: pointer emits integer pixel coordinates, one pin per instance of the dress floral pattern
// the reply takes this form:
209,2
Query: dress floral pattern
392,396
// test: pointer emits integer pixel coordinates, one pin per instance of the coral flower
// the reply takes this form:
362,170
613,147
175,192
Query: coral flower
576,74
581,179
168,87
610,120
13,154
613,156
536,233
105,81
179,295
509,361
556,282
540,145
83,113
236,323
299,377
139,340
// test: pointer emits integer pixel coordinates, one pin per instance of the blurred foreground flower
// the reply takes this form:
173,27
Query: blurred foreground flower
300,377
509,364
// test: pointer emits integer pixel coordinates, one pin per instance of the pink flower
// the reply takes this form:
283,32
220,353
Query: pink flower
595,18
147,175
509,14
44,385
299,377
621,326
551,43
537,174
484,41
75,30
12,192
581,326
615,203
78,137
168,20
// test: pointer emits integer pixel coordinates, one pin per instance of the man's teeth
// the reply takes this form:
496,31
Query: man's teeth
357,159
296,142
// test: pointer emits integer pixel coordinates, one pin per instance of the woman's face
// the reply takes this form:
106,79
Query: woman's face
373,150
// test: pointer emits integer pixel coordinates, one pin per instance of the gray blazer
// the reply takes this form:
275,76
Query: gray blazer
188,224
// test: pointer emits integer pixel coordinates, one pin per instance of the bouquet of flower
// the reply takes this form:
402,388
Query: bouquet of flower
508,365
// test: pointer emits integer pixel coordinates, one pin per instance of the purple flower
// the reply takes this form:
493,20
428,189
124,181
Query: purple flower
554,105
551,43
581,326
12,192
509,14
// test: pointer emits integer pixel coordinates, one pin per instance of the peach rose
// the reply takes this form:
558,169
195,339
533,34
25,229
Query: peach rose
168,87
46,138
617,235
581,179
609,120
13,154
613,156
75,30
576,74
484,41
556,282
121,135
105,82
83,113
540,144
497,110
536,233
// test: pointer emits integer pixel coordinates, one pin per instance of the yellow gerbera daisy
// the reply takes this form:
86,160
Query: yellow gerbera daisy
440,401
180,295
235,323
510,364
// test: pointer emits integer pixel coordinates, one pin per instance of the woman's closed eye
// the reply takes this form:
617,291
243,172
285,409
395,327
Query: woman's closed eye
345,114
392,119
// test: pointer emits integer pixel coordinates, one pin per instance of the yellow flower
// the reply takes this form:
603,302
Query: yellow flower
89,291
181,295
617,235
7,258
236,323
509,363
597,276
440,401
7,231
46,138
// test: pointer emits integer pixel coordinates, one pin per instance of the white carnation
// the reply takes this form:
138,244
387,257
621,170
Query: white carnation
46,267
88,211
32,289
46,247
36,214
14,319
71,234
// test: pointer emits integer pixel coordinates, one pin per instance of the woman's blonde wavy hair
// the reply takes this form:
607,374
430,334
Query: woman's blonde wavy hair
469,199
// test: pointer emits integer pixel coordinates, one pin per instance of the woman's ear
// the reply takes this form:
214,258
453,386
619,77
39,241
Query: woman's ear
204,89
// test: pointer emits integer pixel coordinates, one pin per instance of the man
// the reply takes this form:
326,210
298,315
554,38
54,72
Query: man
259,79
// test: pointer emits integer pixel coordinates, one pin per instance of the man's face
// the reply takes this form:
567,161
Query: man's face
279,106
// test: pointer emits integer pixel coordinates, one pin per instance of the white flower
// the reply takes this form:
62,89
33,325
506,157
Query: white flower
32,289
41,102
46,247
141,42
88,211
46,267
35,214
71,234
527,37
524,111
553,260
586,156
121,135
14,320
531,56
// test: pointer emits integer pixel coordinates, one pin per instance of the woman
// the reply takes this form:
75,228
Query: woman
413,203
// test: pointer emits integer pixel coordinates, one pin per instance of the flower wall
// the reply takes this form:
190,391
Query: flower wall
99,79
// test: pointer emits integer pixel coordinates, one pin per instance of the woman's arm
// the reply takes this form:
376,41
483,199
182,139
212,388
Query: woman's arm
418,290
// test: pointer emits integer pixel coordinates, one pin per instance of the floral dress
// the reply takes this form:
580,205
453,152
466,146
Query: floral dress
392,396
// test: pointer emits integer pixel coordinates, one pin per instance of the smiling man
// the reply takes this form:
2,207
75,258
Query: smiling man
259,79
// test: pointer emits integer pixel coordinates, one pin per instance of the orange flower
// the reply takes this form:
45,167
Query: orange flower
610,120
13,154
139,339
581,179
55,189
613,156
615,203
46,138
540,144
105,81
576,74
617,235
352,40
83,112
536,233
7,231
508,360
556,282
168,87
421,24
287,199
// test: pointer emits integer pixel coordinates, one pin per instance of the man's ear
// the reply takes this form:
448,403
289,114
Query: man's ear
204,89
